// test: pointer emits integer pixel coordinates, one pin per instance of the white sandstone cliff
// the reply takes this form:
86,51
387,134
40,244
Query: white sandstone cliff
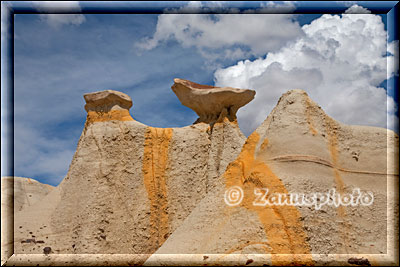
158,192
297,149
129,186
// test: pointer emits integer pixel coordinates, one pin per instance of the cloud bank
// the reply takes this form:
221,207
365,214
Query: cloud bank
340,61
240,35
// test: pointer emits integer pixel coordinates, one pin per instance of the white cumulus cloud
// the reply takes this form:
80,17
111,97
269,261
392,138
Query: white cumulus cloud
259,33
56,20
393,62
356,9
280,6
340,61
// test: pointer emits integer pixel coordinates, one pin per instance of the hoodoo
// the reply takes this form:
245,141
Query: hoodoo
212,104
148,194
298,149
107,105
129,185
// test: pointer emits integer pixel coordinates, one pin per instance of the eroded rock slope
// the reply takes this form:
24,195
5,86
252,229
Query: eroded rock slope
129,186
135,189
297,149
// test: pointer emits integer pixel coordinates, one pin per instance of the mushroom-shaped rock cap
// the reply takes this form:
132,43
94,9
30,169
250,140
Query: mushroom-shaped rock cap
209,102
107,105
107,100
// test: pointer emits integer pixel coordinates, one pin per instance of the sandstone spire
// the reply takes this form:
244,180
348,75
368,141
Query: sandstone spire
211,103
133,190
129,185
297,149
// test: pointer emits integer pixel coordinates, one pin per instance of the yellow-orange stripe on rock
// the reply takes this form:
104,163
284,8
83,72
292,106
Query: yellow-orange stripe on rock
309,117
155,162
340,187
282,224
118,114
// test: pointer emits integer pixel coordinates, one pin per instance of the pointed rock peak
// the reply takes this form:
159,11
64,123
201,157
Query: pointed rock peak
212,104
297,101
298,113
293,96
107,105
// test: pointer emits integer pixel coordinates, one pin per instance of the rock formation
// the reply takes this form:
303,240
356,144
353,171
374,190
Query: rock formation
298,148
145,191
17,193
129,185
211,103
27,191
107,105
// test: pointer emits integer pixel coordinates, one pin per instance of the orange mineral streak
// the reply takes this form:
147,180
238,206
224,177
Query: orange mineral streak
223,120
155,163
282,224
340,186
264,144
309,118
99,116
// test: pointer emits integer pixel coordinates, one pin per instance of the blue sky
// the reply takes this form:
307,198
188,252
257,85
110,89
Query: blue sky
59,57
